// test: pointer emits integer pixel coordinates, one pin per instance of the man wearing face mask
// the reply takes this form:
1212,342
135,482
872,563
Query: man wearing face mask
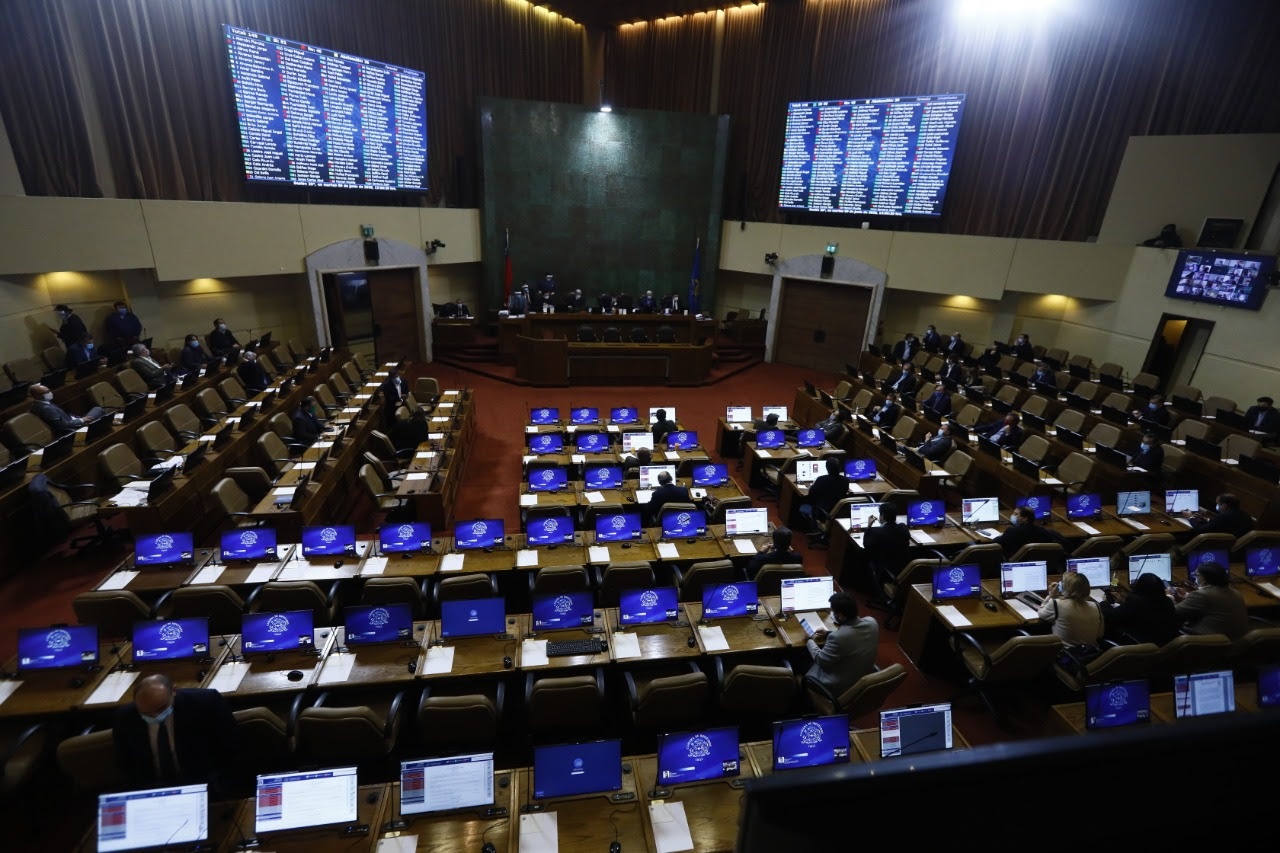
59,419
253,376
82,351
169,737
123,328
1154,412
72,330
307,425
1150,455
1229,518
1022,349
193,357
222,342
153,372
931,340
1023,530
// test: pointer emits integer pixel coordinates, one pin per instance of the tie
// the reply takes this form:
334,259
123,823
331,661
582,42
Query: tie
164,754
1261,415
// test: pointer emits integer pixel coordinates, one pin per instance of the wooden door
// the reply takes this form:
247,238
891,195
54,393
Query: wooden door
821,325
396,312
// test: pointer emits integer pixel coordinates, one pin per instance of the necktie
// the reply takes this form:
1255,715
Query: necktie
164,754
1261,415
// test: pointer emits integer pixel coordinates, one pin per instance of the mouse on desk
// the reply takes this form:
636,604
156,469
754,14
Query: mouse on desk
337,564
626,544
295,675
768,632
507,663
488,848
615,847
990,605
691,642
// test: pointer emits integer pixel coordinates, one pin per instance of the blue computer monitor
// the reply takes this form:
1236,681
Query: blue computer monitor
334,540
554,611
249,543
550,530
624,415
277,632
602,477
682,440
810,742
1269,686
618,527
1041,505
480,533
548,479
1084,506
544,416
593,442
915,729
1221,556
926,513
1262,562
1136,502
57,647
170,639
571,769
963,581
697,756
770,438
546,442
405,538
724,600
679,523
473,617
1118,703
810,438
1201,694
371,624
860,469
649,606
163,549
710,475
584,415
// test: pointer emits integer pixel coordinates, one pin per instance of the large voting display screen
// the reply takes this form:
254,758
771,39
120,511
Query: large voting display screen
313,117
873,156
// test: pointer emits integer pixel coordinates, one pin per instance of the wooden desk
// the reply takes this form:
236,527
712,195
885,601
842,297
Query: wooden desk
374,664
589,824
473,656
743,634
923,627
57,691
712,809
867,744
760,754
789,630
525,624
269,673
559,362
564,325
373,806
453,332
463,831
661,641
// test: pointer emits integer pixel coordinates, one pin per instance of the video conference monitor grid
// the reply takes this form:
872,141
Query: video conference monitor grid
548,479
154,818
979,510
1041,505
1269,686
405,538
1096,570
1231,279
698,756
1181,500
584,415
567,770
1160,565
770,439
738,414
750,521
907,731
429,785
710,475
550,530
544,416
682,523
473,617
163,549
371,624
546,442
780,411
1030,576
649,475
633,441
1119,703
335,540
808,470
926,513
170,639
480,533
277,632
288,801
1133,503
808,593
810,742
860,469
1262,562
250,543
57,647
682,440
670,410
623,415
1084,506
618,527
602,477
1203,693
649,606
557,611
728,600
963,581
592,442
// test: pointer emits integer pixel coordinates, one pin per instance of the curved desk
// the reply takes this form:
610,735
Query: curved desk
562,362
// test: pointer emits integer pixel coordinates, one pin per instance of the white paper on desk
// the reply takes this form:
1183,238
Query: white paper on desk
439,661
598,554
303,466
439,436
571,428
262,572
1270,588
673,455
814,620
953,616
441,420
539,833
229,677
668,551
130,497
643,495
118,580
1051,481
112,688
283,495
763,453
745,546
425,454
626,646
454,391
373,566
337,668
444,405
526,558
612,428
529,500
846,523
578,459
670,826
6,689
939,472
209,437
593,497
1088,528
1186,522
1098,595
1230,461
713,638
857,538
533,653
398,844
452,562
209,574
1136,525
322,445
1022,609
921,538
312,572
383,373
351,410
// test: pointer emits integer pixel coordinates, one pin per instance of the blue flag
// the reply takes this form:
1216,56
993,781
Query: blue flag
694,283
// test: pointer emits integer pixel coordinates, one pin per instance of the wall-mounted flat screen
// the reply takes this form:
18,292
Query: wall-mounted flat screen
1221,278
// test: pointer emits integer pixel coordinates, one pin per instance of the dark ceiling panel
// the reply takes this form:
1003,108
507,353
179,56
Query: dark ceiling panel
611,13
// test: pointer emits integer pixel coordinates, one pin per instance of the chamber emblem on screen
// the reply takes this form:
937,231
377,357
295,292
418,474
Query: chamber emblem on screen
649,598
563,604
583,414
811,734
544,441
1118,697
1265,556
548,475
164,542
171,632
479,528
956,575
709,471
680,437
550,525
378,617
328,535
404,531
577,764
729,593
1034,503
810,434
683,519
859,465
278,624
249,537
543,414
58,639
699,746
618,522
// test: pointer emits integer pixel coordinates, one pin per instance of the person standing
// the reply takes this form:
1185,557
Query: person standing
124,329
72,330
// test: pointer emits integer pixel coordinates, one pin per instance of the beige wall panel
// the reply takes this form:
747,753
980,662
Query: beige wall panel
325,224
196,239
459,230
744,249
1085,270
43,234
944,263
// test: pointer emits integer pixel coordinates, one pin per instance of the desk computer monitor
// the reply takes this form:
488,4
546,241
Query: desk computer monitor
624,415
649,475
710,475
262,633
553,479
550,530
682,523
670,410
860,515
963,581
1096,570
907,731
1181,500
1269,686
480,533
769,439
602,477
979,510
164,549
1084,506
544,416
1203,693
57,647
633,441
682,440
860,469
583,415
810,742
729,600
334,540
1041,505
618,527
697,756
446,784
1028,576
649,606
1111,456
171,639
473,617
546,442
1118,703
249,543
374,624
153,819
572,769
780,411
1221,556
738,414
926,513
810,438
1133,503
1160,565
286,801
807,593
407,537
1262,562
749,521
556,611
808,470
592,442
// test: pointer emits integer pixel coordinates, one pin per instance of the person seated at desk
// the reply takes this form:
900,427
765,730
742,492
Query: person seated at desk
1022,349
1023,530
939,402
906,382
623,302
768,422
1074,617
672,304
931,341
171,737
577,302
843,656
307,424
222,341
906,349
662,426
193,358
1005,433
631,463
956,345
647,304
1143,615
989,360
937,448
1154,412
58,419
887,544
1213,607
887,413
156,375
824,493
457,309
953,371
536,300
1228,518
1044,377
667,492
778,552
72,329
83,350
123,328
252,374
1150,455
547,287
1263,418
605,303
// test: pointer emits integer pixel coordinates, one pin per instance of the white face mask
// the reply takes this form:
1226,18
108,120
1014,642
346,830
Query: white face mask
222,327
1013,519
48,396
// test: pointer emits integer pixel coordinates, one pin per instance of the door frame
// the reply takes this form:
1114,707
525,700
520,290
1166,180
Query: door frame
1181,356
848,272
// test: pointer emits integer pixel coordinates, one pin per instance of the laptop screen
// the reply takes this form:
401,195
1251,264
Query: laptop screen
619,527
810,742
751,521
1031,576
548,479
682,440
308,798
979,510
585,415
1084,506
925,513
473,617
480,533
602,477
624,415
593,442
570,769
907,731
447,783
1160,565
770,438
649,475
780,411
1133,503
808,470
406,538
725,600
57,647
163,549
563,610
860,515
174,639
1269,686
738,414
154,818
1206,555
277,632
370,624
964,581
710,475
860,469
1039,504
1182,500
679,523
804,594
697,756
250,543
670,410
1261,562
550,530
1097,570
1203,693
633,441
546,442
333,541
544,416
810,438
1119,703
647,606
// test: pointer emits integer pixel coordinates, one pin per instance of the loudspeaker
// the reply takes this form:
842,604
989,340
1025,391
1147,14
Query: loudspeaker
828,265
371,253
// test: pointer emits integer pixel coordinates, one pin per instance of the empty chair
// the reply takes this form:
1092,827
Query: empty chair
563,706
272,454
586,335
1187,392
1076,473
106,396
279,596
1234,446
1148,543
156,442
666,335
324,396
89,761
1193,653
958,466
255,482
988,556
700,574
756,690
1255,539
1056,356
1098,546
861,400
638,335
55,514
716,516
615,577
612,335
395,590
54,357
132,384
1034,448
769,578
1115,664
1072,419
1146,384
460,719
1116,400
183,422
895,588
119,465
555,579
209,406
338,383
26,432
264,741
1010,662
113,610
1259,646
968,416
232,391
384,498
1050,552
24,370
461,587
1214,404
868,694
1103,433
22,754
233,503
1225,541
1191,427
906,430
667,697
352,373
223,607
329,735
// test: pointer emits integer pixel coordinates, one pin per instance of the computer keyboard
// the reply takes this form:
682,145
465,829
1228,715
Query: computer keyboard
1030,599
567,648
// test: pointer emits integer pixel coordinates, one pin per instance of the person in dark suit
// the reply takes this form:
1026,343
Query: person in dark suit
932,341
222,341
458,308
776,553
989,359
518,304
193,357
661,426
1213,607
1022,349
1229,518
647,304
577,302
667,492
394,390
605,303
1263,418
768,422
906,349
825,492
547,287
939,401
906,382
1023,530
887,413
167,736
81,351
59,419
253,376
123,328
843,656
631,464
673,303
306,421
1044,377
938,447
956,345
72,329
1144,615
155,374
887,546
953,370
1154,412
1005,433
1150,455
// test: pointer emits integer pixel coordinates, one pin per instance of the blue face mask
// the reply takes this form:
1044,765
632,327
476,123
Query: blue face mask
195,345
88,347
158,718
122,311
